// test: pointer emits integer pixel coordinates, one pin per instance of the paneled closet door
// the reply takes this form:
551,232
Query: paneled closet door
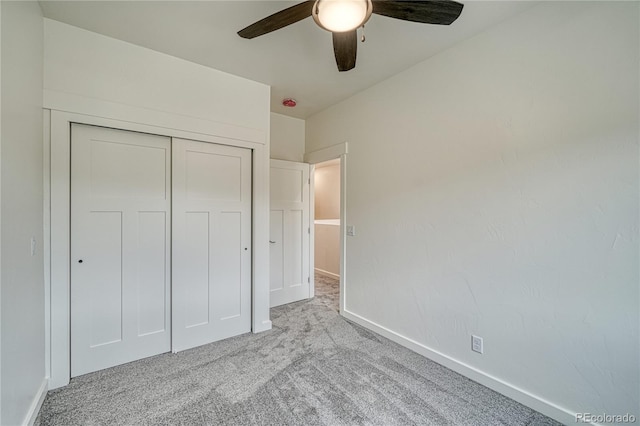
120,247
211,242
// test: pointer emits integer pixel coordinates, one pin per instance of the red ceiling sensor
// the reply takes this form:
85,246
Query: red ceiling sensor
288,102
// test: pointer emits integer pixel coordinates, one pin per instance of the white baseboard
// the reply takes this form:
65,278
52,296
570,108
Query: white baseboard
36,404
535,402
327,273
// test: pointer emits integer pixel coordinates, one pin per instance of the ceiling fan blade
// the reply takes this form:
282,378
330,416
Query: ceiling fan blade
441,12
345,46
278,20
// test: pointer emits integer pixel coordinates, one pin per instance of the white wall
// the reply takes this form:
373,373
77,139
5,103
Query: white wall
0,213
494,189
90,65
287,138
327,249
327,190
22,358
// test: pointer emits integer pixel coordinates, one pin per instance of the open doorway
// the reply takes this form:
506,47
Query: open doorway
327,229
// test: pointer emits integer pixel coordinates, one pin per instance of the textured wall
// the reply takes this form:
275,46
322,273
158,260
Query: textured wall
327,248
327,191
494,188
287,138
22,197
91,65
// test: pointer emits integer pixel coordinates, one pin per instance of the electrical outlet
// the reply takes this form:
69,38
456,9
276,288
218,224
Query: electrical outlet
351,230
477,344
33,246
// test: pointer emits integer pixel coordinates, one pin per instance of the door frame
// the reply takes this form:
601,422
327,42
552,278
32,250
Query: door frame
320,156
57,215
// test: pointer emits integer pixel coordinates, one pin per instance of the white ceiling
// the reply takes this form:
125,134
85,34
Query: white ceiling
297,61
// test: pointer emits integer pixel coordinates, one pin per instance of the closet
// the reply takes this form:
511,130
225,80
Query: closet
160,245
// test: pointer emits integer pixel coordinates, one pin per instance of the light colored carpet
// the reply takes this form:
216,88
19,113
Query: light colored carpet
313,368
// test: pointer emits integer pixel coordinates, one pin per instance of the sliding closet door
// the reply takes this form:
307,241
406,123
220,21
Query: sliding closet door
120,247
211,242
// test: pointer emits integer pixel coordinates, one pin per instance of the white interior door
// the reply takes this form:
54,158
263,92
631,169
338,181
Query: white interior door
289,232
120,247
211,242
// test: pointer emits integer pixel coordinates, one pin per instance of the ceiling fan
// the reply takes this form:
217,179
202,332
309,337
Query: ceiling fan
343,17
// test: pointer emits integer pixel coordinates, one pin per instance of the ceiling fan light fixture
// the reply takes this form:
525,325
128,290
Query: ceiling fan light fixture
341,15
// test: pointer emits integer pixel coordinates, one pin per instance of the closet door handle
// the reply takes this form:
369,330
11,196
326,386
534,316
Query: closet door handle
272,242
